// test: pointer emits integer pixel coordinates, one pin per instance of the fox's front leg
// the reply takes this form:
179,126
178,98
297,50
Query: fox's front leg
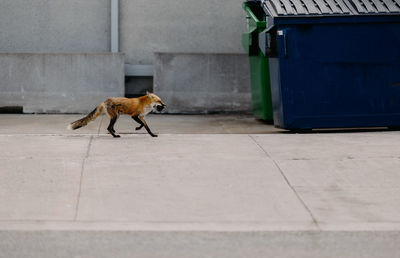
142,123
139,122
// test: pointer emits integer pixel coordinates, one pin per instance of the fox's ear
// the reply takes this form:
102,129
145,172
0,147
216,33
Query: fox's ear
148,94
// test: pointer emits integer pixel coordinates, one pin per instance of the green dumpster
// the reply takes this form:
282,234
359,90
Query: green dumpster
259,68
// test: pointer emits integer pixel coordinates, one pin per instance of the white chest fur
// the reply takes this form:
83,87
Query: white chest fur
148,109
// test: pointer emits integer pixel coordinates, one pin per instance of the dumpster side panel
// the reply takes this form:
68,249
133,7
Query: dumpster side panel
277,105
332,75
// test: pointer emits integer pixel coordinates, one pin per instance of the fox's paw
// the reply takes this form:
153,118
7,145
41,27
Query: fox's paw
116,136
138,128
154,135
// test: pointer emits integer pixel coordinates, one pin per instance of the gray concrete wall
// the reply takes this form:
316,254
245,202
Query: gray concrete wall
207,26
60,83
203,83
146,27
54,26
186,26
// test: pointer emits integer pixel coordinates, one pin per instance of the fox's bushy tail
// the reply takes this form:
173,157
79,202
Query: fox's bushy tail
90,117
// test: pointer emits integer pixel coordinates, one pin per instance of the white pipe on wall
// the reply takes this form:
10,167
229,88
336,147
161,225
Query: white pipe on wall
114,26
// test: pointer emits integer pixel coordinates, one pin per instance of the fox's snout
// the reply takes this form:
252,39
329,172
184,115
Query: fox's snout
160,107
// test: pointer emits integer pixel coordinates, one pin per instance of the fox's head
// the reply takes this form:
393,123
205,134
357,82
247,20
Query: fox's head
156,101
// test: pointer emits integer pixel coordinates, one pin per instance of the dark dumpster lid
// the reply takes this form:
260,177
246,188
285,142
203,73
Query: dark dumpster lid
296,8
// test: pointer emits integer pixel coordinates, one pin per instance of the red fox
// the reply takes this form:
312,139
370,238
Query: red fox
137,108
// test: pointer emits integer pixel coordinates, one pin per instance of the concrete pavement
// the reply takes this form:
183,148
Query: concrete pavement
208,186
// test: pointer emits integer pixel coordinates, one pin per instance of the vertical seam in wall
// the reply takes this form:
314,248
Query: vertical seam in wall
81,177
288,183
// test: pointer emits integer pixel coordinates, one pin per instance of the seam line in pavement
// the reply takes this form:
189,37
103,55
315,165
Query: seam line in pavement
288,183
81,177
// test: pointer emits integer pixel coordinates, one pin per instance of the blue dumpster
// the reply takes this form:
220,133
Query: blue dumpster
333,63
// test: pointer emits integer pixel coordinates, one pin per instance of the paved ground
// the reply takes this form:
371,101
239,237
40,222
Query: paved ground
208,186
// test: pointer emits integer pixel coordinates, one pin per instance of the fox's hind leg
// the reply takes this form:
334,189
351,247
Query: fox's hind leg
113,115
110,127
